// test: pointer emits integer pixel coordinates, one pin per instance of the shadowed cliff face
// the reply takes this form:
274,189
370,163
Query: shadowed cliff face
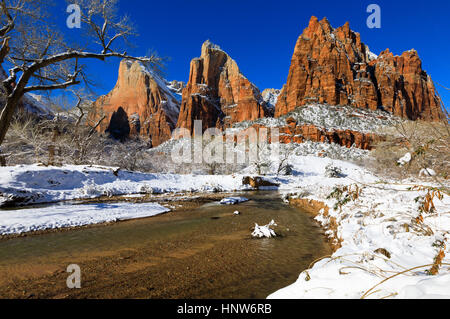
119,127
333,66
141,96
217,93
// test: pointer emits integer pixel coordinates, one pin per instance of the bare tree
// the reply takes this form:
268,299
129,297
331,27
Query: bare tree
38,58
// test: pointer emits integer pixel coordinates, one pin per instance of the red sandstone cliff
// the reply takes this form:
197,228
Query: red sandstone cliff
140,104
332,66
217,93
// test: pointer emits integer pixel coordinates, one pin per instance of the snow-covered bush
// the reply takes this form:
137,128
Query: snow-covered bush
91,189
332,171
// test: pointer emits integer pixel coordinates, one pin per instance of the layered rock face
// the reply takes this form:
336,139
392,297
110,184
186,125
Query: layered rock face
293,133
332,66
217,93
404,88
140,104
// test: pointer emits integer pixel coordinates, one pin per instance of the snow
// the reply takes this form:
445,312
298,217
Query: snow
36,104
61,216
270,96
371,56
405,159
233,200
427,172
264,231
329,118
33,184
382,218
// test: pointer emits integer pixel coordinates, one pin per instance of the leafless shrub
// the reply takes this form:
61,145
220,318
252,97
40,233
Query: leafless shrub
427,142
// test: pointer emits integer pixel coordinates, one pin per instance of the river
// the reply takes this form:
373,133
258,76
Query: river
200,252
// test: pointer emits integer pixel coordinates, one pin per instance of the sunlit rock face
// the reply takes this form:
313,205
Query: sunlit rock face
143,100
217,93
332,66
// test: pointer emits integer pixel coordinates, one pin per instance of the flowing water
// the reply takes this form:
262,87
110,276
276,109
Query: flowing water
204,252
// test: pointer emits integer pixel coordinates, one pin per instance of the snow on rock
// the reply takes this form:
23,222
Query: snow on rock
405,159
36,104
233,200
270,96
61,216
264,231
329,118
427,172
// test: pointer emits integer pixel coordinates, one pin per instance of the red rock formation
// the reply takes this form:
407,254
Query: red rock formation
333,66
139,104
217,93
293,133
405,89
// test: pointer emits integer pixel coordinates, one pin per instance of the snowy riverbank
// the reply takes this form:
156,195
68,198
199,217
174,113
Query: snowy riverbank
65,216
378,225
393,244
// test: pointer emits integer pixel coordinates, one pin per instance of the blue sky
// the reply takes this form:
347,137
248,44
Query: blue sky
260,35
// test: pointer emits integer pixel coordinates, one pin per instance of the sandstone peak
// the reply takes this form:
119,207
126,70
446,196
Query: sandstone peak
218,93
332,66
326,25
208,45
141,103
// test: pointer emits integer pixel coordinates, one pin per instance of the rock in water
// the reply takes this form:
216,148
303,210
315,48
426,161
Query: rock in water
233,200
264,231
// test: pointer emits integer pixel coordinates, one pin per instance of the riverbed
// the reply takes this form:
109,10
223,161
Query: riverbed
202,251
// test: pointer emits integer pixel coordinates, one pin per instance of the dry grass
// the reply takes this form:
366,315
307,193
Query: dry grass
428,143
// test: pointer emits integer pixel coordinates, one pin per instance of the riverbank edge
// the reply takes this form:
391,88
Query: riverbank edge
173,200
316,208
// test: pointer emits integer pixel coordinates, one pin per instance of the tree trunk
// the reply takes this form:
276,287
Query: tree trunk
7,115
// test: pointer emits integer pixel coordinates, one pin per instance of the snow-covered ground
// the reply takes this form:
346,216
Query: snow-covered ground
380,229
382,236
330,118
34,184
62,216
